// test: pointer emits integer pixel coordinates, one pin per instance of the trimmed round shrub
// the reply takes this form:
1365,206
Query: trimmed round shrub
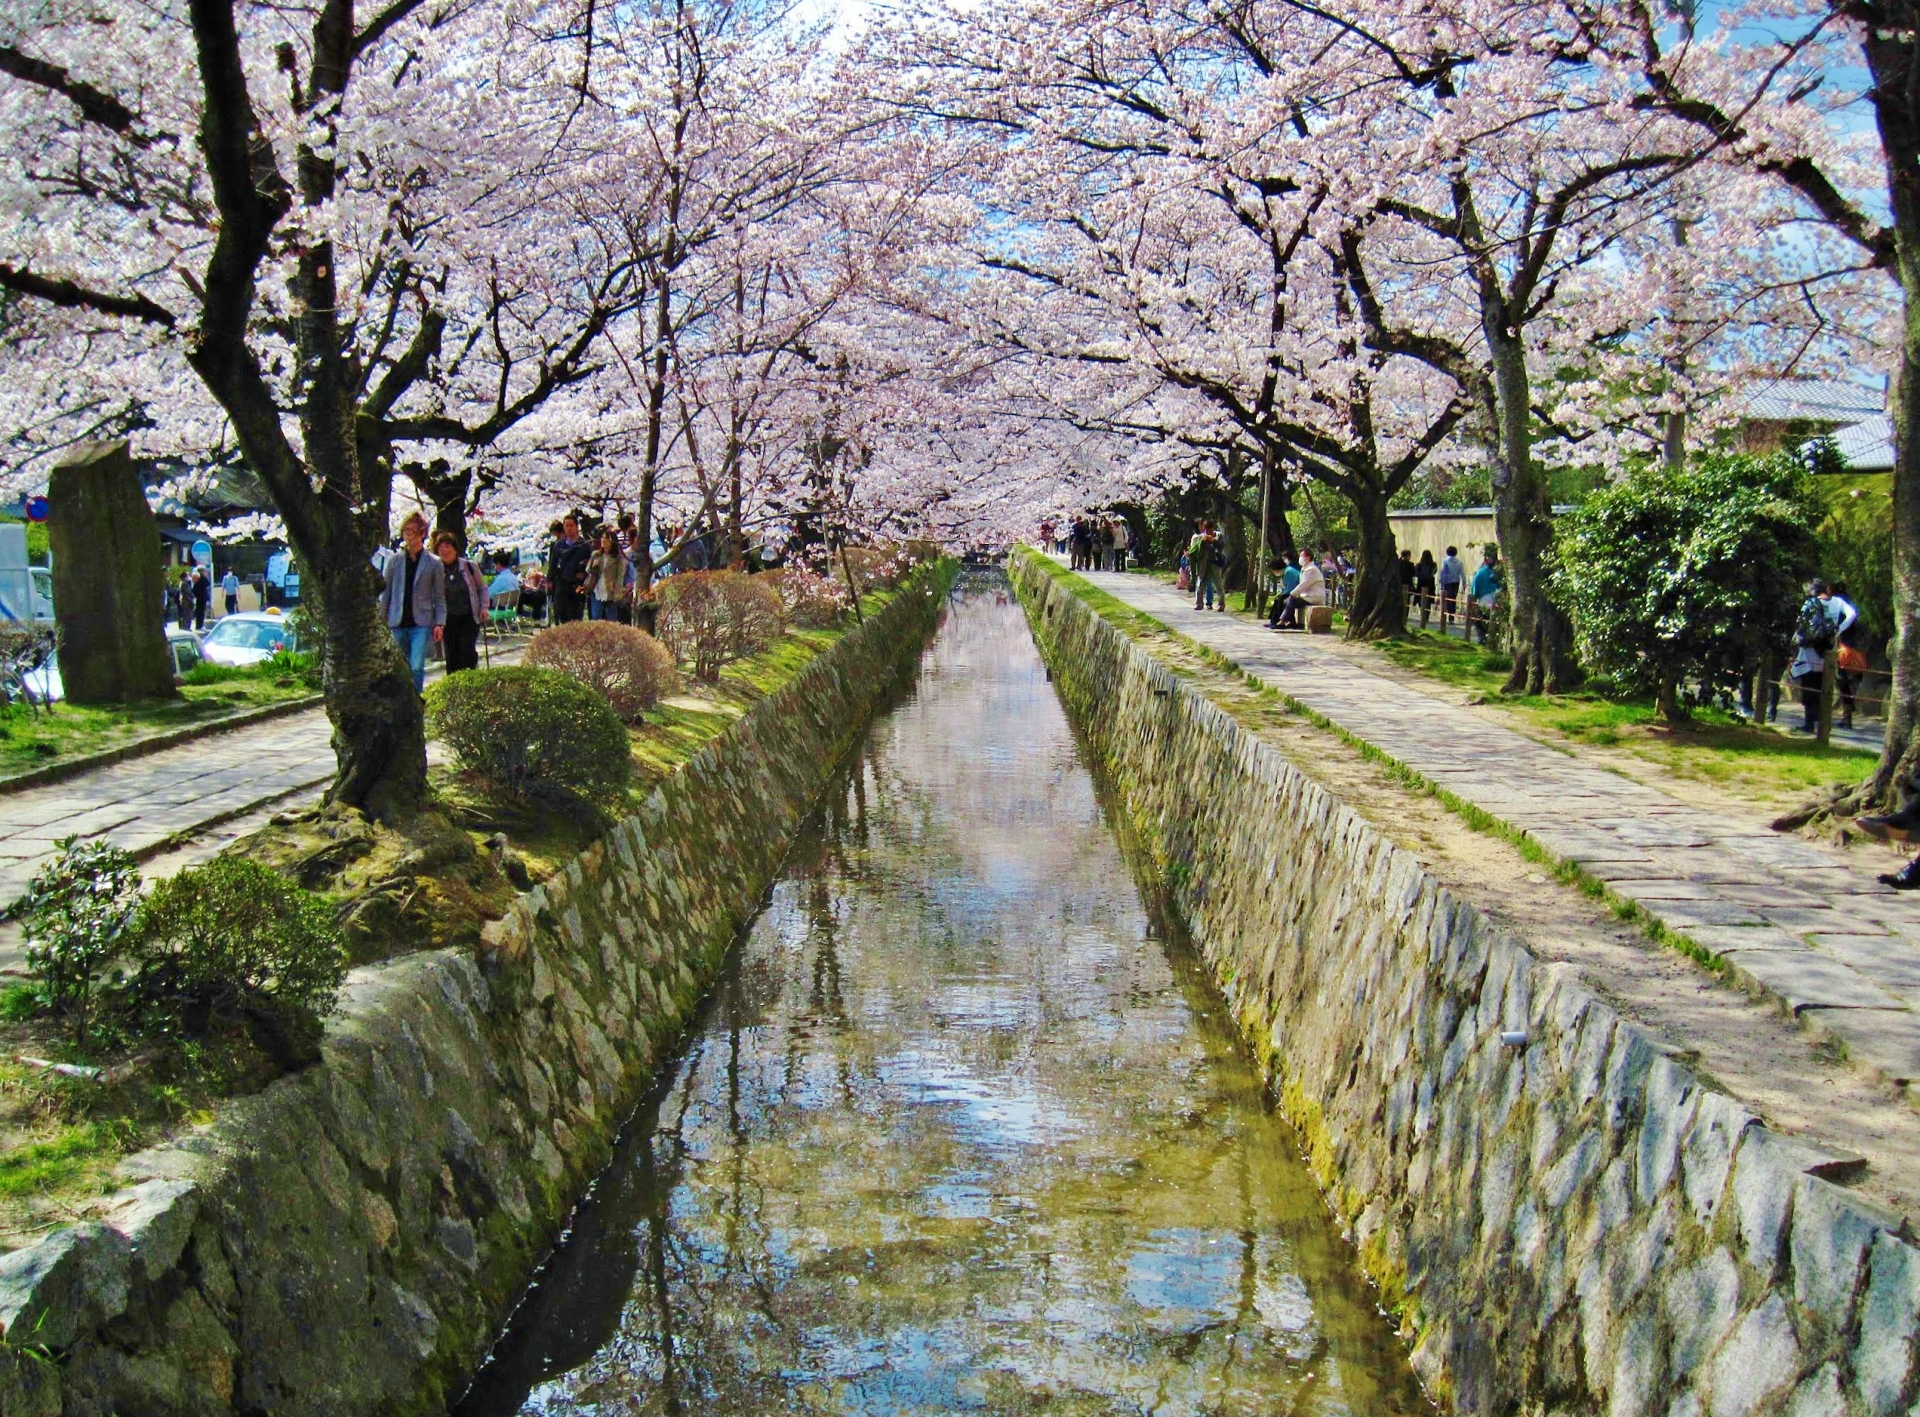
237,939
809,600
531,732
625,665
711,618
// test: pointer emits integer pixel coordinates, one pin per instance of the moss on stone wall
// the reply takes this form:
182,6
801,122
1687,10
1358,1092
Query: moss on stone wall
348,1241
1564,1218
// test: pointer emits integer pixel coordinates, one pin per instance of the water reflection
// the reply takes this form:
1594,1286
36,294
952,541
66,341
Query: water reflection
957,1133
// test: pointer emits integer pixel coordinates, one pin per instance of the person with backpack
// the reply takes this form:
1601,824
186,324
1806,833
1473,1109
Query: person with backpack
1814,630
1486,588
1850,661
1208,561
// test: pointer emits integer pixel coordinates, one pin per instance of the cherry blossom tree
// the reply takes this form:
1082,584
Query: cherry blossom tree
320,213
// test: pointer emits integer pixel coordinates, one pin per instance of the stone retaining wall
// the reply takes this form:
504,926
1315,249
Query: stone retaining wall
1564,1217
350,1240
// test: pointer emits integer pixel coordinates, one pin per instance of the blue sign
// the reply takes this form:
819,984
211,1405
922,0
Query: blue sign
203,554
38,509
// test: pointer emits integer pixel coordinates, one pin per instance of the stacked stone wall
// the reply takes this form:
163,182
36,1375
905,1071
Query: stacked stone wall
1563,1215
350,1240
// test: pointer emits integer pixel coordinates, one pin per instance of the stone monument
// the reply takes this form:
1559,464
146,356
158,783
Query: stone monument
108,581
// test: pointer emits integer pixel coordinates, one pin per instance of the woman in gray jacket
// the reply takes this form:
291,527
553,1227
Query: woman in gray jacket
414,599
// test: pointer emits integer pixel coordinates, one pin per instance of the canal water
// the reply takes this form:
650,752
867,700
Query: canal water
959,1130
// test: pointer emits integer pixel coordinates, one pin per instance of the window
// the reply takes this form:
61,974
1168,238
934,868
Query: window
250,634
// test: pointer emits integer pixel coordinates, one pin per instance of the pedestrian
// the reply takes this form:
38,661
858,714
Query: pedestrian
1309,589
606,578
567,572
1850,661
202,596
466,597
1408,577
1204,552
230,591
183,599
1485,591
1423,585
1453,575
1184,580
1813,634
1082,543
414,598
1122,539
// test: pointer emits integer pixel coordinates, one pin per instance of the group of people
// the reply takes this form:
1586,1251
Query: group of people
1444,587
1203,567
189,599
593,579
428,598
1090,543
1828,624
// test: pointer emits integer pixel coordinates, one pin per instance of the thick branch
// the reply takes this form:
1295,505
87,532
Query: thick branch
97,107
74,296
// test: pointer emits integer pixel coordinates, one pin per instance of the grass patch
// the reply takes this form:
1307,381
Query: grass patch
31,738
61,1138
1715,747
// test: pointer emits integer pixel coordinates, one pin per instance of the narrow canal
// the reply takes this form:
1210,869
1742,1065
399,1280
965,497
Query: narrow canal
959,1130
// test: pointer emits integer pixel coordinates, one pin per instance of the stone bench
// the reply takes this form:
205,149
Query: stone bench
1319,619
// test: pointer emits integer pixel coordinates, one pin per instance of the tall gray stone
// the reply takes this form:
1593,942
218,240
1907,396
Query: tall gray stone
108,582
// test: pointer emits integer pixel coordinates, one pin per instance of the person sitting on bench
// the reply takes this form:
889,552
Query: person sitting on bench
1312,590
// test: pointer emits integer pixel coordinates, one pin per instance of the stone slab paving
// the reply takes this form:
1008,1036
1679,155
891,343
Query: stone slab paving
1804,922
143,802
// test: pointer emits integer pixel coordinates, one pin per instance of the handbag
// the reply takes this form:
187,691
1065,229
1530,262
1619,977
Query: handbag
1851,660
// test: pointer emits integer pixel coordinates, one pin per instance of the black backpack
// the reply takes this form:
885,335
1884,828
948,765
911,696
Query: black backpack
1814,629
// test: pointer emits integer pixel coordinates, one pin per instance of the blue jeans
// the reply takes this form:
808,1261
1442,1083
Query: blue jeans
413,643
598,609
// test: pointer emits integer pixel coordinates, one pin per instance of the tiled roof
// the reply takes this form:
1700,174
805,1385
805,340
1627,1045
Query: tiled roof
1813,400
1867,445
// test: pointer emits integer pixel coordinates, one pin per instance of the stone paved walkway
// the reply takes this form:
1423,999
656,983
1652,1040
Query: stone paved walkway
1804,922
147,804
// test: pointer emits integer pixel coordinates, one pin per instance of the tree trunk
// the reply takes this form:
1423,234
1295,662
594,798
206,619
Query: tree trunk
1890,58
1666,704
1541,638
1379,609
379,737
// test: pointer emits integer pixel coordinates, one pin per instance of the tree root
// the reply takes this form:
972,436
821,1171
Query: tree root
1826,806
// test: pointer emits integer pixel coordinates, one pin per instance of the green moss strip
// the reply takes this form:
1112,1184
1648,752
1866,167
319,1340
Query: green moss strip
1139,626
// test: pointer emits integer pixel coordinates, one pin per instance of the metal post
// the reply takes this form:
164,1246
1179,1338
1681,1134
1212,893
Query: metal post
1826,695
1259,600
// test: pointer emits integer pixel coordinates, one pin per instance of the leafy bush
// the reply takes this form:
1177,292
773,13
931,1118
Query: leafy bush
288,665
809,600
78,914
234,938
627,666
1672,577
531,732
711,618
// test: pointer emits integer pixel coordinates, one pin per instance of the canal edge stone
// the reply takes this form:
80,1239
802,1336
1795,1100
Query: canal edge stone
1577,1225
350,1240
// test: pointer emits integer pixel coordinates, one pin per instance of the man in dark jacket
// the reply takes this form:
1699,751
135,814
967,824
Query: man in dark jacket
567,572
